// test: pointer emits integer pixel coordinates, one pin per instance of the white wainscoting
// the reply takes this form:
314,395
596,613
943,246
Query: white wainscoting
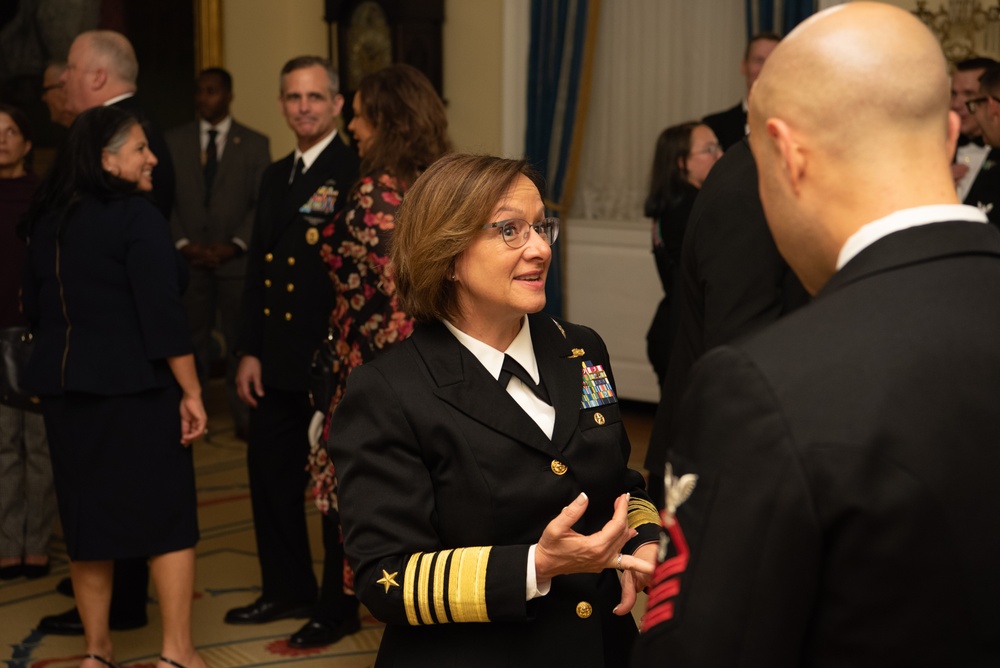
612,286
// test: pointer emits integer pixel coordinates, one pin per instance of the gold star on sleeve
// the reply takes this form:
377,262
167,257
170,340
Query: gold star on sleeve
388,580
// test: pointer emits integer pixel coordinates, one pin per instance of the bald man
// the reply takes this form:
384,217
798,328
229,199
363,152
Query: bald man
832,496
102,69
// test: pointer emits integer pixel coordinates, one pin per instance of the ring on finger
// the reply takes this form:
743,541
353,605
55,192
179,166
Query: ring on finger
618,561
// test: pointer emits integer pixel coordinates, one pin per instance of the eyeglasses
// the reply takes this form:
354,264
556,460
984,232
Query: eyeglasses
515,231
710,149
972,105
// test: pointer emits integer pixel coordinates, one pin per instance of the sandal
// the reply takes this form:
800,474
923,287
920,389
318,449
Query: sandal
171,662
98,657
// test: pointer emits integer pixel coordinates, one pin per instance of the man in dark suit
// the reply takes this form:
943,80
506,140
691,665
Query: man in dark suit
834,477
102,69
972,150
985,190
219,165
730,125
732,282
287,304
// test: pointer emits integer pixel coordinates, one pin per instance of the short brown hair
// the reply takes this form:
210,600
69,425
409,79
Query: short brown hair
411,126
439,219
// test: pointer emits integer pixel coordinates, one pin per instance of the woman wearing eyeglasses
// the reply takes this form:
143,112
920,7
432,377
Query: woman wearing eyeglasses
486,501
685,154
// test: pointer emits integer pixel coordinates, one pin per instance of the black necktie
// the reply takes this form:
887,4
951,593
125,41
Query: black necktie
964,140
512,368
300,167
211,163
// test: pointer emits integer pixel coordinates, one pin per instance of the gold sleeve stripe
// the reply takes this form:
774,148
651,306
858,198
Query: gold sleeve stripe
423,588
440,569
640,512
409,583
446,586
467,585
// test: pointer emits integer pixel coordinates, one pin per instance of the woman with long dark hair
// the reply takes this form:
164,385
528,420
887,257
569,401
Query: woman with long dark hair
684,155
114,369
400,128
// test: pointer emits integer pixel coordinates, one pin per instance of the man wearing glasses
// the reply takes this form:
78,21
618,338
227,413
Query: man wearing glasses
984,110
972,150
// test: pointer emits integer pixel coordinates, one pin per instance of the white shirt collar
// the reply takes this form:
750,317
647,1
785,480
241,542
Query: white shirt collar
491,358
222,127
310,155
905,219
118,98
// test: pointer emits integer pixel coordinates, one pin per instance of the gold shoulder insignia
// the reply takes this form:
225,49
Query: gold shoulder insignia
388,580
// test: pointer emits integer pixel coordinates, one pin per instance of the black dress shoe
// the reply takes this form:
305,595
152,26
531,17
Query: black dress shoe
11,572
262,611
65,587
35,571
318,634
68,624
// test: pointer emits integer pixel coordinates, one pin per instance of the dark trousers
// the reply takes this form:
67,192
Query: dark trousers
207,295
334,605
277,452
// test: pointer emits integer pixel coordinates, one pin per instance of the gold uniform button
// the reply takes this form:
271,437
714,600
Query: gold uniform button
288,316
267,311
267,282
268,257
584,609
598,418
291,261
558,467
290,287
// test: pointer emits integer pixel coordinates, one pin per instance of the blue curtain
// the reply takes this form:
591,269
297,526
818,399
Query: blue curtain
777,16
563,36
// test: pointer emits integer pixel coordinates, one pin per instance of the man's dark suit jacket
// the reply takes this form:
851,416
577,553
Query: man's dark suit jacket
434,456
164,185
732,282
846,508
233,203
288,297
985,190
729,126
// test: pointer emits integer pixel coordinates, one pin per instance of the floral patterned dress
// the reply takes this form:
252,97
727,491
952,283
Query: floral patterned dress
366,318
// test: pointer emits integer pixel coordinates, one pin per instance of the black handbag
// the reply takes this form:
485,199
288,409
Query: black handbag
322,379
16,345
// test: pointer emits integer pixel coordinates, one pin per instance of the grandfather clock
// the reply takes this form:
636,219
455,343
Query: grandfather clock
371,34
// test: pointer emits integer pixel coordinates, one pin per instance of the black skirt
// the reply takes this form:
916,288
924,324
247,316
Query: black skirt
124,483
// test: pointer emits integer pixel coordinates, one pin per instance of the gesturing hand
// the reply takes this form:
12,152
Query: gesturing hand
562,551
637,576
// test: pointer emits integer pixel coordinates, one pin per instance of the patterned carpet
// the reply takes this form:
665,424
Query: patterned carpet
227,576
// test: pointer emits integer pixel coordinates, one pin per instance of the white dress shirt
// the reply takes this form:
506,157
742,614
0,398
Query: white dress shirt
542,413
905,219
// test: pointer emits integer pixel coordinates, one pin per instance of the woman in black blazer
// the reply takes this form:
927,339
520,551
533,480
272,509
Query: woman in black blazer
112,363
485,519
